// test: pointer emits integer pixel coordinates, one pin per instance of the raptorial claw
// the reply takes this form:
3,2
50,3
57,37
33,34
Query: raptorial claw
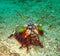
10,36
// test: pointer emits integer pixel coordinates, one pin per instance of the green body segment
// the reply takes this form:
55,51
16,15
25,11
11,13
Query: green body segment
21,29
39,28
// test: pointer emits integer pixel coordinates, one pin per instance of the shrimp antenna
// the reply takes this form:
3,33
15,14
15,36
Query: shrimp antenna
22,16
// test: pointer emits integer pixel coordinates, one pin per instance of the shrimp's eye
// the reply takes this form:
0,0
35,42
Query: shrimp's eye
29,26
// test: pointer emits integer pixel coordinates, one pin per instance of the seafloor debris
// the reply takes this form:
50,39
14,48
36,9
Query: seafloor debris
14,54
58,49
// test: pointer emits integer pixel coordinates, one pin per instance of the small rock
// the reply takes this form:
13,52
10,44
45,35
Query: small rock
14,54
